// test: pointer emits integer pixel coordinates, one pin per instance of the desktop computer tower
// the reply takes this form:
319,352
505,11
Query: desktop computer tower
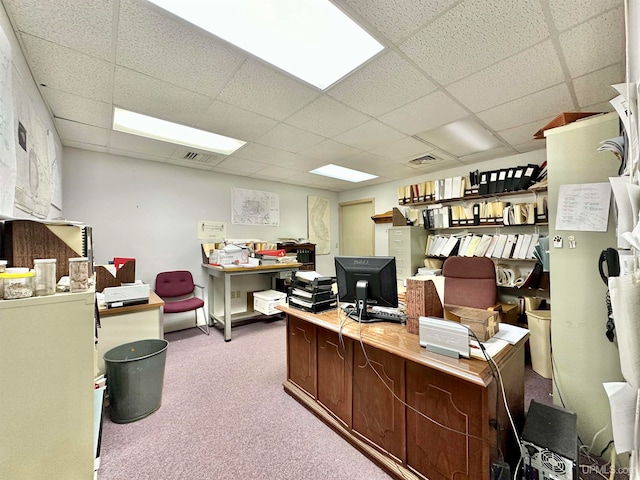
550,443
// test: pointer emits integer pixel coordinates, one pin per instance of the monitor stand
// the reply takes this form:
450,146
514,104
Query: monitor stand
362,313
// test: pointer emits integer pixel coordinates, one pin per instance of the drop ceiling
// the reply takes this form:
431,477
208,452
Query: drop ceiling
510,66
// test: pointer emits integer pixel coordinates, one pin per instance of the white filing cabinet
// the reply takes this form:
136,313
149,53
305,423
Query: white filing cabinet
408,245
46,392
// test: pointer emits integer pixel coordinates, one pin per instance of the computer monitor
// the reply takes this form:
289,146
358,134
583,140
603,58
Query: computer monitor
367,282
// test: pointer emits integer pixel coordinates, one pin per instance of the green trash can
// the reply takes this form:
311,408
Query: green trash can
135,373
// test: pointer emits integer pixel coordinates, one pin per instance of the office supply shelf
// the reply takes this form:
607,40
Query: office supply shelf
449,201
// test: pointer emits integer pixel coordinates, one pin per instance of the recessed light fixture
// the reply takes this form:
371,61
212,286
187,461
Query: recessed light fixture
310,39
342,173
462,137
151,127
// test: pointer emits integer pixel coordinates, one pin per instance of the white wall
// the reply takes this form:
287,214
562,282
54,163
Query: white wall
149,210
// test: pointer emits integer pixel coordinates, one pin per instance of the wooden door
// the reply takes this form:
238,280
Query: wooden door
356,228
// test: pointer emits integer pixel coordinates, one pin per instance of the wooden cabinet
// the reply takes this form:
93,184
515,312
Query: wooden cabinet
305,252
407,244
416,414
46,393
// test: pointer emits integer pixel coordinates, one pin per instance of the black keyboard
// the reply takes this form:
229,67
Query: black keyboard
385,316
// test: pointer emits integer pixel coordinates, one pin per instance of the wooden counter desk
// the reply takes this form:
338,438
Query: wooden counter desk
129,324
433,418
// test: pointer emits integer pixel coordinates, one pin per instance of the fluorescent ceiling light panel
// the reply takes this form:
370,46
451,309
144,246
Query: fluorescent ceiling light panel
342,173
463,137
150,127
310,39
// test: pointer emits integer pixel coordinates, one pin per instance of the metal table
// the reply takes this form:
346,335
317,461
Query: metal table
222,275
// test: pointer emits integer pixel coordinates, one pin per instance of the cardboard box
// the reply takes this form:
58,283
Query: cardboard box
509,313
483,323
266,301
422,300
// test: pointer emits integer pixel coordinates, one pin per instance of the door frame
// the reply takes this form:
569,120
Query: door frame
372,202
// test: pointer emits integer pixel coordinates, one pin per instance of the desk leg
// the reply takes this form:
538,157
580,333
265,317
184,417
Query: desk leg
227,308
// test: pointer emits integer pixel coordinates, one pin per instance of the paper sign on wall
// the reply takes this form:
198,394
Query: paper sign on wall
583,207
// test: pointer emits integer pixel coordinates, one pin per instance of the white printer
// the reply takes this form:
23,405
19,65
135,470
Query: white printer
132,294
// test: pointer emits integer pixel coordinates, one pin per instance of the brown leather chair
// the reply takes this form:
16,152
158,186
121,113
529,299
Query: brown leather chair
470,282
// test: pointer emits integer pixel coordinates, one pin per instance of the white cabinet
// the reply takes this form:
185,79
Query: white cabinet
46,387
407,244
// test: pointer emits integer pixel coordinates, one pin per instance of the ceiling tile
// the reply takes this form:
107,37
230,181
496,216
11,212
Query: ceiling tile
80,25
475,34
369,135
531,146
273,173
404,149
235,122
547,103
289,138
598,107
266,154
261,89
524,133
394,21
594,44
567,14
510,79
237,166
150,96
327,117
173,51
596,87
426,113
330,151
78,132
86,146
79,109
382,85
69,71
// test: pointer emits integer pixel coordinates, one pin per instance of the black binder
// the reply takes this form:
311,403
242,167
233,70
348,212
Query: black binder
493,181
502,177
483,189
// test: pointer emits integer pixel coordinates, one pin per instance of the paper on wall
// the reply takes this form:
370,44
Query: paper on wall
623,401
624,218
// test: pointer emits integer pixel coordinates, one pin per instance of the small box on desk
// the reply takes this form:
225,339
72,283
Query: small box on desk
483,323
266,301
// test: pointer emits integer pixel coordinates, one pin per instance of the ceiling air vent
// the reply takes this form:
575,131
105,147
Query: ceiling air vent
424,159
199,157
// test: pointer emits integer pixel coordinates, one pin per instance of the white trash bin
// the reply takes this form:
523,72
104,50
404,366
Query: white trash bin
540,341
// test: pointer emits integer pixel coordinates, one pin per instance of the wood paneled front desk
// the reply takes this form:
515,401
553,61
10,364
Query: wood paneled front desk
417,414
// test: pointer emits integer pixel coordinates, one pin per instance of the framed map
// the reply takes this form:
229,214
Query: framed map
253,207
319,222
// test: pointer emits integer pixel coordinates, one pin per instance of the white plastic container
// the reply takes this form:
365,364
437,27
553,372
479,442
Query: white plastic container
540,341
78,274
45,270
267,301
17,284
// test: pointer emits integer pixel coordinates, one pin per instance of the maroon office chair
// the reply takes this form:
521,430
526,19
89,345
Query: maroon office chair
470,282
178,291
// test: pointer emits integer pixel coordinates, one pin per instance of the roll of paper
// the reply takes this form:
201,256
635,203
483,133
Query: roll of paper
625,303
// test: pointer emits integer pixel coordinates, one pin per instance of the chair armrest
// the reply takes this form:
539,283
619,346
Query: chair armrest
495,308
200,287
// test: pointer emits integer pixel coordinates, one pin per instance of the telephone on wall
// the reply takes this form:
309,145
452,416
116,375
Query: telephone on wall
612,259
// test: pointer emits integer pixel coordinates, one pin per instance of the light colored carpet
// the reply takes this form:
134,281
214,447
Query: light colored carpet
225,415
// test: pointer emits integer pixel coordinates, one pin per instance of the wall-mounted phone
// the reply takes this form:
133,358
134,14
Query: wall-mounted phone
612,259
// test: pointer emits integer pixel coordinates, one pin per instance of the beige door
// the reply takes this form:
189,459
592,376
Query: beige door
357,230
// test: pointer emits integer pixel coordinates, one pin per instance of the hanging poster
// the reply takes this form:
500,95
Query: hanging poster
318,220
253,207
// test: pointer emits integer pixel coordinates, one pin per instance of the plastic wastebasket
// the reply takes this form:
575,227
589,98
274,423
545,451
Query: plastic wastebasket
135,373
540,341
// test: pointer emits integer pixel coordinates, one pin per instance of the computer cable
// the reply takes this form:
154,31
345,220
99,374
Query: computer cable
433,421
